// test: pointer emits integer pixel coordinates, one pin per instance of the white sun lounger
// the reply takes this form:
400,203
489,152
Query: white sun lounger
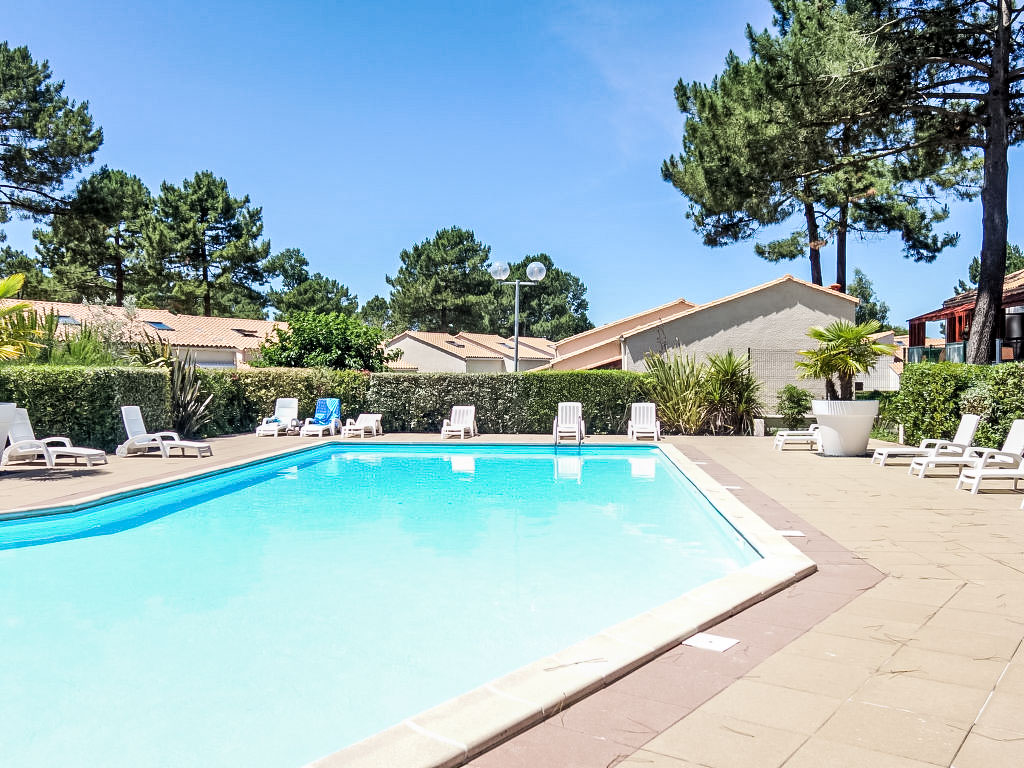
643,422
326,418
25,447
284,421
462,424
365,423
991,464
568,423
933,447
810,437
979,459
141,441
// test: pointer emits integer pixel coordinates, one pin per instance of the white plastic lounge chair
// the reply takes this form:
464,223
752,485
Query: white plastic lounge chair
810,437
284,421
932,447
6,417
365,423
25,447
568,423
462,424
141,441
991,464
643,422
326,418
977,459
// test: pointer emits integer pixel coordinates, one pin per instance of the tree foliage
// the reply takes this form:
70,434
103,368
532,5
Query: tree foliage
442,284
96,249
330,340
303,292
211,245
45,137
765,142
871,306
1014,263
17,336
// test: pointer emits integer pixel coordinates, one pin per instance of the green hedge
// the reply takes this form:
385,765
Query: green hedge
928,403
84,404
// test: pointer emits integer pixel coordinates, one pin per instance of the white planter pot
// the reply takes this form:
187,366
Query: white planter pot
845,425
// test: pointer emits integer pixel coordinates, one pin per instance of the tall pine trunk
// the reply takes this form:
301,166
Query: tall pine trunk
987,311
814,244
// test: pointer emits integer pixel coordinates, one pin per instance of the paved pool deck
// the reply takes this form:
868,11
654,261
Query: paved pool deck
903,651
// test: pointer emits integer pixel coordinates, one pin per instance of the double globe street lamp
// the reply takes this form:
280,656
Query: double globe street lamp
535,271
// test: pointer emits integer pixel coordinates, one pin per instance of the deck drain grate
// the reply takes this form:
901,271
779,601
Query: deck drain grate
710,642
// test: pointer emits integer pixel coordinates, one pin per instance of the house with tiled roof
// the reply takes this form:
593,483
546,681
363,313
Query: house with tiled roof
427,352
769,322
216,342
957,313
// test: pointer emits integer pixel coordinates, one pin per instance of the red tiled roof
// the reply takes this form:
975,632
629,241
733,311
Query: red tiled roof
180,330
476,346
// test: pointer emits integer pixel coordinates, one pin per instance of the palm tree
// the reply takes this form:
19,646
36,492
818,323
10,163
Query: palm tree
16,331
844,350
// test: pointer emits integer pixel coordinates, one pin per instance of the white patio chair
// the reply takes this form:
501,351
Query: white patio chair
934,447
991,464
25,447
141,441
568,423
810,437
462,424
326,418
643,422
284,421
365,423
986,460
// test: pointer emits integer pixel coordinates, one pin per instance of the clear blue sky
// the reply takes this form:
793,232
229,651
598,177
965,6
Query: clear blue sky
361,128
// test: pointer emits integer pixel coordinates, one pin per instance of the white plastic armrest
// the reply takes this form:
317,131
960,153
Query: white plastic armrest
268,420
166,435
25,445
65,441
629,426
446,423
350,422
1000,457
947,447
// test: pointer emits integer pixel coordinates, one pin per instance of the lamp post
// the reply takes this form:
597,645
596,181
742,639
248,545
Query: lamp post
535,271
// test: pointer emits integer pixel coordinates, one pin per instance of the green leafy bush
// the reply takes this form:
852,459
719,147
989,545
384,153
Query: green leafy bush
84,403
794,404
928,402
330,340
1005,402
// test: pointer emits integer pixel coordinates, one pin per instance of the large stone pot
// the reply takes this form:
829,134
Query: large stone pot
845,425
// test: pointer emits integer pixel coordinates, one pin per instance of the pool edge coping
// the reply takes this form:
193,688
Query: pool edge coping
464,727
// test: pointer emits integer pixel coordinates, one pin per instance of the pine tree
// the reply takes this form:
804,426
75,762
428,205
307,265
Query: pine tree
442,284
211,243
554,308
303,292
97,248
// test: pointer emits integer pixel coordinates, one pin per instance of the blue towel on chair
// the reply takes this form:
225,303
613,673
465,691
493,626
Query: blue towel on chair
327,410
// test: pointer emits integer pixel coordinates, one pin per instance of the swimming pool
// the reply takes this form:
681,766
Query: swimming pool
269,615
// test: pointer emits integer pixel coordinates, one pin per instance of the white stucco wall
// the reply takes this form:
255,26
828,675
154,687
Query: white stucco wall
496,365
772,321
214,357
426,358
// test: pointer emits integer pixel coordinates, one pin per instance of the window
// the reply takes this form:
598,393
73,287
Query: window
159,325
246,332
455,344
67,320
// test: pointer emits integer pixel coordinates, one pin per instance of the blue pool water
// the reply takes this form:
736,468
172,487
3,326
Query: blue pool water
275,613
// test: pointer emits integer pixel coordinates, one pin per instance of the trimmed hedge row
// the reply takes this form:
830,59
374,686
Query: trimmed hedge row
418,402
84,404
933,396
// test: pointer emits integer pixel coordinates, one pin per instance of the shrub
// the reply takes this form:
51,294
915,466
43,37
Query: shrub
1005,403
928,403
794,403
84,403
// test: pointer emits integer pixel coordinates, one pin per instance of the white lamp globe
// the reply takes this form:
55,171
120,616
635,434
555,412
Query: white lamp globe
499,270
536,271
